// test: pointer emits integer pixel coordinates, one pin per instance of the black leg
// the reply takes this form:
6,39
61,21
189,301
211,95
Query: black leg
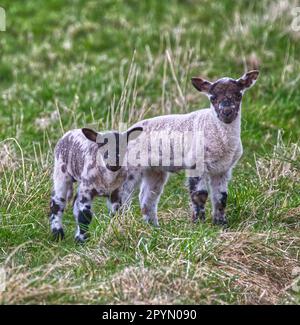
83,214
199,194
57,206
219,184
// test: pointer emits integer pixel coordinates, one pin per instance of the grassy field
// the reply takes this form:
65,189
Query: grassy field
67,64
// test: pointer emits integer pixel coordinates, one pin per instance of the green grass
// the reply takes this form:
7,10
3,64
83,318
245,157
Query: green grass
67,64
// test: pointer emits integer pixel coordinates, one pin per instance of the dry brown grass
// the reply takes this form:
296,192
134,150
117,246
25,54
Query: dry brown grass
260,264
282,163
279,10
8,157
140,285
256,268
36,285
43,122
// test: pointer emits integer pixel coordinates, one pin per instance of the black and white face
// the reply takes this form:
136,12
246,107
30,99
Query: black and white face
113,145
226,94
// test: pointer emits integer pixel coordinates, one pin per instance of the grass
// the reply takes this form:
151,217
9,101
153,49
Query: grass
67,64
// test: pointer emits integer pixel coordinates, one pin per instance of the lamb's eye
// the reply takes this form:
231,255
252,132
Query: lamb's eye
213,97
238,96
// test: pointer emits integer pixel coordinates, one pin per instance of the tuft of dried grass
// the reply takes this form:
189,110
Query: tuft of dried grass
282,163
138,285
167,285
8,158
279,9
259,264
42,123
251,61
36,285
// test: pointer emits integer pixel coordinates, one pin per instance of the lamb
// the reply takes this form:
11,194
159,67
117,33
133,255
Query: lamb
220,130
94,160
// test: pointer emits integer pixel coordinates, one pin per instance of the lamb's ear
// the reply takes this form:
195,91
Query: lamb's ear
201,84
248,79
134,133
90,134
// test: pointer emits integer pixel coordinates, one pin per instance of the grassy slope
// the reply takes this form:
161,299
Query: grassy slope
93,61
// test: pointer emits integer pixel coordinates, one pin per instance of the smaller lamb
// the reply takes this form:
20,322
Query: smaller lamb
95,161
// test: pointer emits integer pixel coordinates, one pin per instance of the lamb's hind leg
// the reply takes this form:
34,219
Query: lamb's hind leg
83,213
198,194
62,184
114,202
219,185
151,188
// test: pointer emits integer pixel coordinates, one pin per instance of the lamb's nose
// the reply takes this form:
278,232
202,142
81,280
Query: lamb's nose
227,111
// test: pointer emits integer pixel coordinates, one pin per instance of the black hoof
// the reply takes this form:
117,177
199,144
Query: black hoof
198,218
220,222
58,234
80,239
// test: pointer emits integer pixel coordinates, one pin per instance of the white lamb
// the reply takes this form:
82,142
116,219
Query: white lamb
220,126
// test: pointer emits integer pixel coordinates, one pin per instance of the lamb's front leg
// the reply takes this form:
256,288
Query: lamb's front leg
83,213
62,185
121,197
153,182
219,185
114,202
198,194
